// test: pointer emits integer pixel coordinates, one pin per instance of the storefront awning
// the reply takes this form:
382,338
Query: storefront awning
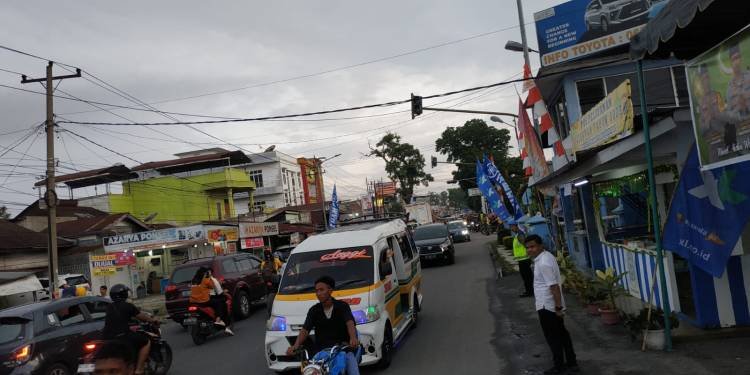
711,21
666,135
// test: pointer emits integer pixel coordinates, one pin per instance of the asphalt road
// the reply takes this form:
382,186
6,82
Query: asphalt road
455,333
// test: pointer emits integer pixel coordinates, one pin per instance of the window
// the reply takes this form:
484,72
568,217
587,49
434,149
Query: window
589,93
184,275
12,329
218,210
257,177
385,261
244,264
69,315
229,266
559,113
97,310
680,84
406,250
255,263
351,268
259,205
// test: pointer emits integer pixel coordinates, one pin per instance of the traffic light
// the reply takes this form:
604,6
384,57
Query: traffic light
433,161
416,106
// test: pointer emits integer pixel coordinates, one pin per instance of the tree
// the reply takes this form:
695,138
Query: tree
444,198
458,198
4,214
403,163
465,144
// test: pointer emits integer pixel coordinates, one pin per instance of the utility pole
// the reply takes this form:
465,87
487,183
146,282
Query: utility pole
522,25
50,197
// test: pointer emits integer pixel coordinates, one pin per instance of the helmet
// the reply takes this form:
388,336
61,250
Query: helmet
119,292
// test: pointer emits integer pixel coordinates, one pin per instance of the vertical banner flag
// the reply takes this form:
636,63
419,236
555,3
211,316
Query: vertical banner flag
493,199
333,215
708,213
497,178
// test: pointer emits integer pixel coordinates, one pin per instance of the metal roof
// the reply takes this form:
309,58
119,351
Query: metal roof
365,234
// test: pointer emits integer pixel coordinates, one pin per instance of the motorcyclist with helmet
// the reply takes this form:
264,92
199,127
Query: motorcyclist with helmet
117,324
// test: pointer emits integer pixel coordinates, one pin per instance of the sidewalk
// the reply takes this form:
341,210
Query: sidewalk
153,303
600,349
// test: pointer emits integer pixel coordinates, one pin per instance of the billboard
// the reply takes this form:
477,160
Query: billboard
312,179
609,120
719,84
150,239
248,230
580,28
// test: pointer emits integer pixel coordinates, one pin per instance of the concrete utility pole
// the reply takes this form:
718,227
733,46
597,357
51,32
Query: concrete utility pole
522,25
50,197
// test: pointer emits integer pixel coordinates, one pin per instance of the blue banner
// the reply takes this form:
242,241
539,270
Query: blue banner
333,213
708,213
493,198
497,178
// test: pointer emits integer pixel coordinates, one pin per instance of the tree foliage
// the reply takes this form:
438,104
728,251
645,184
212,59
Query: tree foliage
403,163
467,143
457,198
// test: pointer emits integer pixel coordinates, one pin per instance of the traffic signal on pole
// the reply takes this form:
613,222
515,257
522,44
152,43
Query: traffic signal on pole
433,161
416,106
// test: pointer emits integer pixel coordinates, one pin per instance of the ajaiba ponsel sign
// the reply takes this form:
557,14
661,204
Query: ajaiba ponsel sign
154,237
579,28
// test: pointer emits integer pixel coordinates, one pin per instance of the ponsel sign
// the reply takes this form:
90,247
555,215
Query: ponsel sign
270,228
135,241
579,28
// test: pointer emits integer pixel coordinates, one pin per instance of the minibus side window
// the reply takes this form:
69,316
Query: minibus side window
405,245
384,266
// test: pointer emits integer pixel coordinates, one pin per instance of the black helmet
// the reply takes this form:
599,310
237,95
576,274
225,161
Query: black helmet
119,292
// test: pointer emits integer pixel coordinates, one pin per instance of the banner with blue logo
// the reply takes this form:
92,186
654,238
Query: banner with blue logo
497,178
333,214
708,213
493,198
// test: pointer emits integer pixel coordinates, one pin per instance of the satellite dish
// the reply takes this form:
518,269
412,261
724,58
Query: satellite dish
270,148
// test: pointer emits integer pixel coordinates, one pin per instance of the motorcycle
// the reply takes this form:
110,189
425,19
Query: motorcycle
201,321
159,357
329,361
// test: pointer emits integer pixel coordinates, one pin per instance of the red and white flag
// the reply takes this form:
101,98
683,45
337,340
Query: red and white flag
539,109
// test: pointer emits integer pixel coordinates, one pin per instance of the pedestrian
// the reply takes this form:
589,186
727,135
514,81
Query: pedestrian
524,263
550,306
103,291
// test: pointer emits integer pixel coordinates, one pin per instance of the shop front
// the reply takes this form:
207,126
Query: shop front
255,237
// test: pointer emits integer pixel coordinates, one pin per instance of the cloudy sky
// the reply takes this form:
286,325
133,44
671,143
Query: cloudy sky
249,59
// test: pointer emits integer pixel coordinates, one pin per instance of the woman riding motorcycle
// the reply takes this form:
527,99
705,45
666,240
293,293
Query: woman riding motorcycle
206,290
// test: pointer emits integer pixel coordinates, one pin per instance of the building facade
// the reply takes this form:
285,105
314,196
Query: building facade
278,183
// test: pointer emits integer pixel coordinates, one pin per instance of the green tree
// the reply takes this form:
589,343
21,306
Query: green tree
457,198
403,163
4,214
465,144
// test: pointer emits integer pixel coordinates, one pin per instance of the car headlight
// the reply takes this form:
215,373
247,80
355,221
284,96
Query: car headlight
312,370
276,323
366,316
465,232
445,245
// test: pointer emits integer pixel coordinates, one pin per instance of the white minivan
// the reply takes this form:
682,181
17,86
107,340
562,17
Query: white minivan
377,272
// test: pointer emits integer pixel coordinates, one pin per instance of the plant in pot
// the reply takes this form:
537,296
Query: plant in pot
609,283
651,326
592,295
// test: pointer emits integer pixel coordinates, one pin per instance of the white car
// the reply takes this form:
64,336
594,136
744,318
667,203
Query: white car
603,14
72,279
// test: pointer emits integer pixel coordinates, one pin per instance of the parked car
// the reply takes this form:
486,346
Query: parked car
459,231
239,273
604,14
71,279
47,338
434,242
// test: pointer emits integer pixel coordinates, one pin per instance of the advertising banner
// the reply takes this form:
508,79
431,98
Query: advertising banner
252,243
105,271
719,82
493,198
141,240
610,120
219,234
580,28
259,229
385,189
312,179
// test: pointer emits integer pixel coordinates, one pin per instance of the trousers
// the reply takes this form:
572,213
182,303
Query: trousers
524,268
558,338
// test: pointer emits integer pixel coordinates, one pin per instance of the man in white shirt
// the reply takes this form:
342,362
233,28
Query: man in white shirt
550,306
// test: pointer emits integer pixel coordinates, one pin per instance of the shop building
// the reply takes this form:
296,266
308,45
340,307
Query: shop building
278,183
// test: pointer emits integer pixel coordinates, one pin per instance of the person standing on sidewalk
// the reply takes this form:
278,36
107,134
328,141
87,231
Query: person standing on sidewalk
550,306
524,263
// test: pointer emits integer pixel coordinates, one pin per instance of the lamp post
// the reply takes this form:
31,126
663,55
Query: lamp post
500,120
323,188
512,45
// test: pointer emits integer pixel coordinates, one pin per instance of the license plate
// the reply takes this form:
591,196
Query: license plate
186,293
86,367
190,321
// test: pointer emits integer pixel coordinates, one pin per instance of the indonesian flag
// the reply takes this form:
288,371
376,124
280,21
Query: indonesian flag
535,101
534,163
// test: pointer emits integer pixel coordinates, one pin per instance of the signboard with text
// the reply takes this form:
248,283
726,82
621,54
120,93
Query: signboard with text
580,28
719,82
259,229
610,120
252,243
141,240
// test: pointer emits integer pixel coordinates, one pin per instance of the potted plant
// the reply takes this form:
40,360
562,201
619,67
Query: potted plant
651,326
592,295
609,282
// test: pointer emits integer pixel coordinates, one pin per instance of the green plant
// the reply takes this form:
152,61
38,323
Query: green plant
636,324
609,283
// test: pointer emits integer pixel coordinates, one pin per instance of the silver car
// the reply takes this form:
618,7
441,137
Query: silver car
605,15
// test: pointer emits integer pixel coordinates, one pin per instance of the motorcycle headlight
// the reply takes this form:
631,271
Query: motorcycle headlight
366,316
312,370
276,323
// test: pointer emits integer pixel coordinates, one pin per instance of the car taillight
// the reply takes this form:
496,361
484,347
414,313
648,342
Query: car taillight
192,308
22,354
170,288
89,347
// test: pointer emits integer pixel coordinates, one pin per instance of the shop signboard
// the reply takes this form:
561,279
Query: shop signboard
610,120
144,240
579,28
719,84
252,243
474,192
219,233
270,228
105,271
118,259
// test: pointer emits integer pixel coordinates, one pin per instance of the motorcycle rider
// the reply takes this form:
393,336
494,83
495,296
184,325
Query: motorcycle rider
270,269
117,324
333,323
202,286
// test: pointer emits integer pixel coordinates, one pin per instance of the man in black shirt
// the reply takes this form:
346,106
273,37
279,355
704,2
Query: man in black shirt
117,324
333,323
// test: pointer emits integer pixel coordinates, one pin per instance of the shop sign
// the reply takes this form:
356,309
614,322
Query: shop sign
474,192
579,28
154,237
719,86
252,243
111,260
259,229
610,120
105,271
217,234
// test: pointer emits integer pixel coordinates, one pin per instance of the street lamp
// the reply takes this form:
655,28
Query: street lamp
500,120
512,45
